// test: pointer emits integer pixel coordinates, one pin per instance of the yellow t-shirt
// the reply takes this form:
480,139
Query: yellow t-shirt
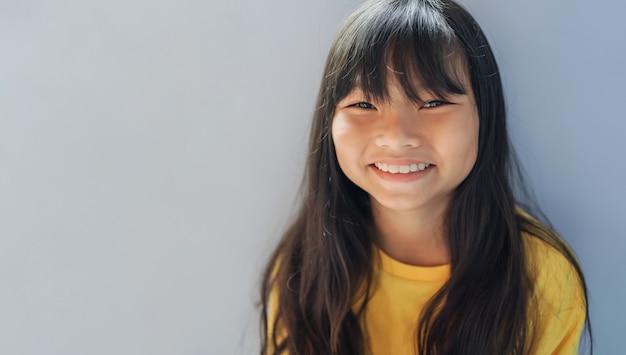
403,290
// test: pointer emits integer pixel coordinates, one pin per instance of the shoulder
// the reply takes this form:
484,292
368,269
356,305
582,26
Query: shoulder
554,275
546,260
273,326
551,263
559,298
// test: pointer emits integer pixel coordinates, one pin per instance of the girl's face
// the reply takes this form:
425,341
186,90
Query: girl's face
406,156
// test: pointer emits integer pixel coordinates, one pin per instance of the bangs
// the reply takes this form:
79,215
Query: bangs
411,43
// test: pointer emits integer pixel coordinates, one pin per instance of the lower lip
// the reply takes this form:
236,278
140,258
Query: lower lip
399,177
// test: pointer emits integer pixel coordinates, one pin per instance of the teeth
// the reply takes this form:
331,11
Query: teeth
401,169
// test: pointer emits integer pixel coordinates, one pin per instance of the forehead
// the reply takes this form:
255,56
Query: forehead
406,71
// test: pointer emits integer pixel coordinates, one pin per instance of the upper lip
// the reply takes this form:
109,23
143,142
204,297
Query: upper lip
400,162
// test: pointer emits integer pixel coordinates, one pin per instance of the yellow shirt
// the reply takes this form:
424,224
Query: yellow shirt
403,290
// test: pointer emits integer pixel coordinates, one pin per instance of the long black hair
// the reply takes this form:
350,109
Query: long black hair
324,261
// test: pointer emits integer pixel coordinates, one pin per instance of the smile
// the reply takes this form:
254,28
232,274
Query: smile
401,169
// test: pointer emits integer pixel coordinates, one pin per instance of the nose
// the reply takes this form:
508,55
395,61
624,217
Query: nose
398,130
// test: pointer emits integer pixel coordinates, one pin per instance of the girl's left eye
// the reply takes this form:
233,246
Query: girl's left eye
365,105
434,103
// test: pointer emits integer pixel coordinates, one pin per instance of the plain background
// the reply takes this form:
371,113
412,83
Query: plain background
151,151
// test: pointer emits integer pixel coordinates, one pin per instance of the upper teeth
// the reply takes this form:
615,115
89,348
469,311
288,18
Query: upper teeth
401,169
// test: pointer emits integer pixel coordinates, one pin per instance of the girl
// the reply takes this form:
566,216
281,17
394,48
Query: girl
408,239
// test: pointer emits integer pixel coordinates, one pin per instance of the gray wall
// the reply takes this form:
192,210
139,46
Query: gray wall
150,153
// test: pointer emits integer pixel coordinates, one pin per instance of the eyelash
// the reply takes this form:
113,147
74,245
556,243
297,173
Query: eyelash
363,105
428,104
434,103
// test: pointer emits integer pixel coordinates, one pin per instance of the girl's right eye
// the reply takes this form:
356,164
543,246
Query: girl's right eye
364,105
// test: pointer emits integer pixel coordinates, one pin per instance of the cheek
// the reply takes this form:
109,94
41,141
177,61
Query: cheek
462,145
343,139
471,143
341,156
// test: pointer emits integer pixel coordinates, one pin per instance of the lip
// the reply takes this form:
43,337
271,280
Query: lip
399,162
400,177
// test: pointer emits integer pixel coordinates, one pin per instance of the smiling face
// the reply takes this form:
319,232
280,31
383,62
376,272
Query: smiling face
406,155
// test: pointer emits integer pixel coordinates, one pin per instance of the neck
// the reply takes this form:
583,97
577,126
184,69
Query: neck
414,237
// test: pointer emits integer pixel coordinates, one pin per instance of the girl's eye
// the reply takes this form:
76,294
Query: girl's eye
434,103
364,105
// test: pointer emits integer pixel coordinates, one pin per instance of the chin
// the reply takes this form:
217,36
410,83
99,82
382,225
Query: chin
399,204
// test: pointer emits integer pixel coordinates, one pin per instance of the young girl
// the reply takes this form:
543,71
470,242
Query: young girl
408,239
